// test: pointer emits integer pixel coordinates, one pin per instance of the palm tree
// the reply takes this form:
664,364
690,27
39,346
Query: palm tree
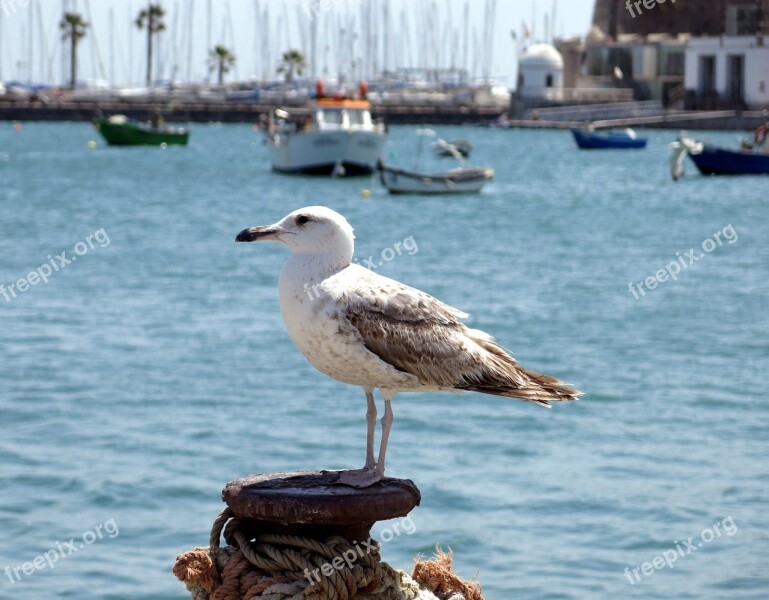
292,62
73,28
151,18
222,59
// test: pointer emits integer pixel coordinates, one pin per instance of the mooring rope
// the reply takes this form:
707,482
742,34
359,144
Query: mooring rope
284,566
270,566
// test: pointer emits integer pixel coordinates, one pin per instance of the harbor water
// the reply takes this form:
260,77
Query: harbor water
144,363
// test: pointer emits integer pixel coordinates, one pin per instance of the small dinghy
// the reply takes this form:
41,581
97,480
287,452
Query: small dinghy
713,160
616,140
462,180
119,130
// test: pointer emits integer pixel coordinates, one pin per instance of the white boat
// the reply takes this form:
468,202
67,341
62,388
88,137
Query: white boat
462,180
339,138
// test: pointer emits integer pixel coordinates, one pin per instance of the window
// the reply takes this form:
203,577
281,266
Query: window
707,84
742,20
549,81
356,117
330,117
675,64
736,77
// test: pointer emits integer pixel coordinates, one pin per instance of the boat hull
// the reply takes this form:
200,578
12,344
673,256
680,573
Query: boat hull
133,134
593,141
717,161
462,181
323,152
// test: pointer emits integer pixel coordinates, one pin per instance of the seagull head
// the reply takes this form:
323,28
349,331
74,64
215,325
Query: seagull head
313,230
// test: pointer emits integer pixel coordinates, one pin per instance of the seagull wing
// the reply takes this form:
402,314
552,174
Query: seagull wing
418,334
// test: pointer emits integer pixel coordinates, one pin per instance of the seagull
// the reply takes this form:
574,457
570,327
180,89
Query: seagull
364,329
680,149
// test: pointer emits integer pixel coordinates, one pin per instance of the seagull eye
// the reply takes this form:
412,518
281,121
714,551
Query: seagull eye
302,219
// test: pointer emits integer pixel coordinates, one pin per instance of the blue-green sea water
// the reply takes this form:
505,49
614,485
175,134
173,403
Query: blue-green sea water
149,372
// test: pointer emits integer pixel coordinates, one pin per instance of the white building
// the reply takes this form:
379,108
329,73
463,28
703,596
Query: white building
727,70
540,73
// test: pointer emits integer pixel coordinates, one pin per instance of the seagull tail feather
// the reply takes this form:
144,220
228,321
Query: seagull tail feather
509,379
543,389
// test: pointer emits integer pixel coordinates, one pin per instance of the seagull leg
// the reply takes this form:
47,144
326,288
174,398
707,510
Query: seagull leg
371,426
387,422
364,477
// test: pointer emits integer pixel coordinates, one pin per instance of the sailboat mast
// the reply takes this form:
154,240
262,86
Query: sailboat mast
314,48
386,38
1,45
256,37
209,21
31,34
267,62
190,36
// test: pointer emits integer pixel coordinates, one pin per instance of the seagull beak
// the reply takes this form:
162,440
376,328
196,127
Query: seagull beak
255,234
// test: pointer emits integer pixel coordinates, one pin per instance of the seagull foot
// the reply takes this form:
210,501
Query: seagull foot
360,478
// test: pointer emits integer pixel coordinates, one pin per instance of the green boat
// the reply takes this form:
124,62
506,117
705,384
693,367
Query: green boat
119,130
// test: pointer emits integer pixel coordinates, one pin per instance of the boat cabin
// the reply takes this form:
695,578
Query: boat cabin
329,114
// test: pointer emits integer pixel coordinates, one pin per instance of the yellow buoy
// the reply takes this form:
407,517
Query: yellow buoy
92,144
365,193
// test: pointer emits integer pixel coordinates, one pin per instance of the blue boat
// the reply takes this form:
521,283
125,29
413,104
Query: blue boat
717,161
593,140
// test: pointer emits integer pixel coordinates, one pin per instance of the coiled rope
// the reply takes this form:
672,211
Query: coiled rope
270,566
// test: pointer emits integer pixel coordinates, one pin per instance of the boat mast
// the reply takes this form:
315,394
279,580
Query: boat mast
111,46
386,37
314,48
266,44
208,36
232,37
1,45
95,50
256,37
175,42
130,23
190,39
31,34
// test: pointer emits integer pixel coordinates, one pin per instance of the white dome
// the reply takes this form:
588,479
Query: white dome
542,55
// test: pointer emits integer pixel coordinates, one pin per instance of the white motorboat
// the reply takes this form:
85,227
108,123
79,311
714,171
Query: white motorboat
463,180
339,137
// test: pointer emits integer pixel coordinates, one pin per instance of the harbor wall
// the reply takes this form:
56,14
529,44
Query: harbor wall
233,113
391,114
